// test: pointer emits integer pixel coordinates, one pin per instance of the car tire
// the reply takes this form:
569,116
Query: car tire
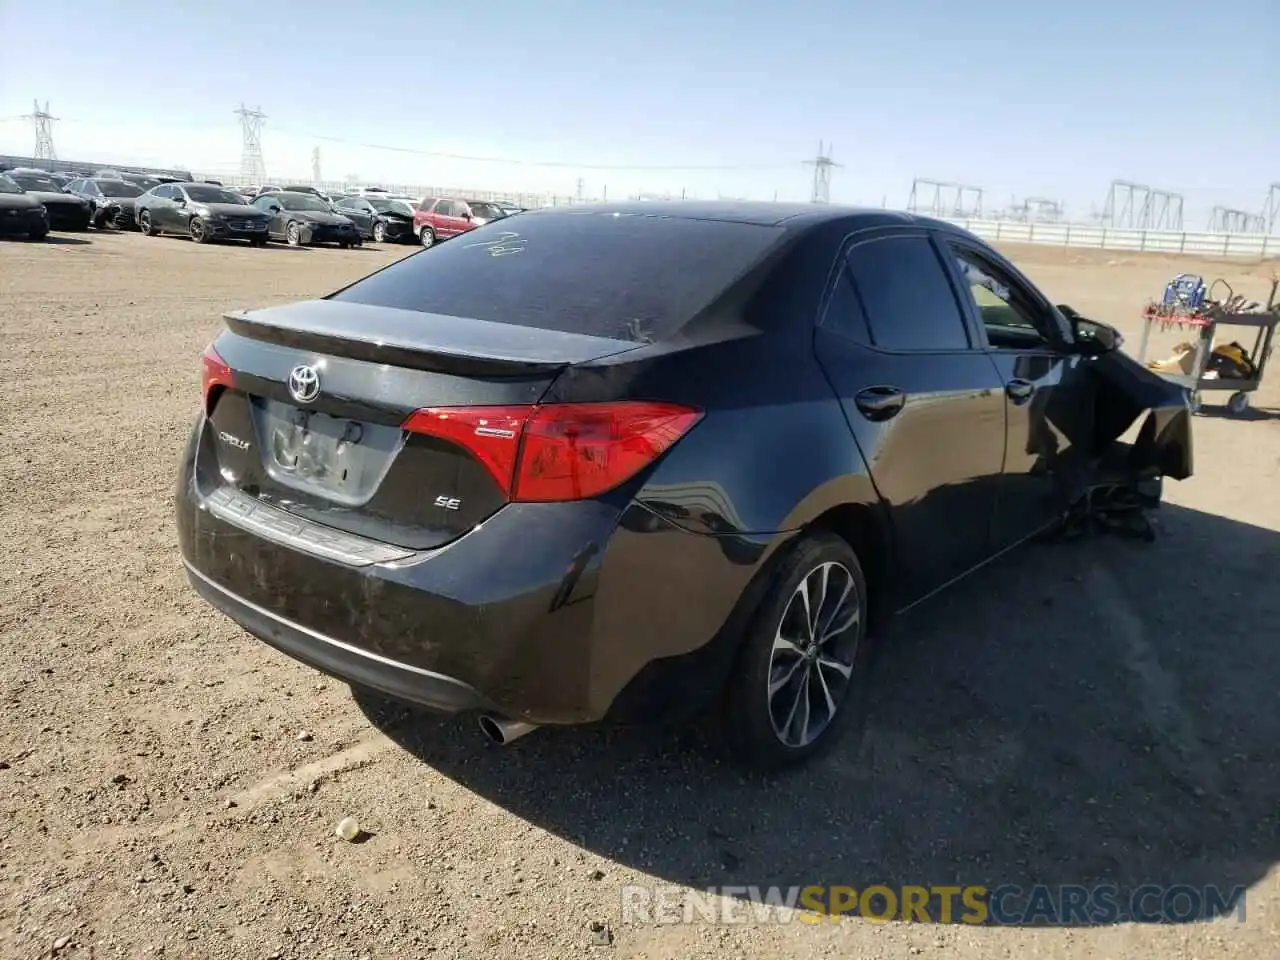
38,233
427,237
292,235
794,659
257,241
100,219
199,232
145,225
379,232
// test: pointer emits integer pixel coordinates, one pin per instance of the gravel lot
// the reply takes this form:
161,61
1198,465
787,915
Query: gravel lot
1097,711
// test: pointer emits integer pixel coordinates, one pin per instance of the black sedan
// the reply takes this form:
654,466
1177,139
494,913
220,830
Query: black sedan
379,218
515,475
21,213
66,211
300,219
202,212
110,201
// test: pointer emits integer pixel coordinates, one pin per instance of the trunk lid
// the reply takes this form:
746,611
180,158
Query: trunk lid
306,414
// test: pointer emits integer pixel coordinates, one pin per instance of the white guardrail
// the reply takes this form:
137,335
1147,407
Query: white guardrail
1253,246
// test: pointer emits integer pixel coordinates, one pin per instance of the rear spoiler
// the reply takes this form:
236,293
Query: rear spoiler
421,341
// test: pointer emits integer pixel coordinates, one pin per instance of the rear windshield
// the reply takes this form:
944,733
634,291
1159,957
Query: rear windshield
624,276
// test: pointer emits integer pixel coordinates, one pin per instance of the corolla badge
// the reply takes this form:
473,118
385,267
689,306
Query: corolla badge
304,383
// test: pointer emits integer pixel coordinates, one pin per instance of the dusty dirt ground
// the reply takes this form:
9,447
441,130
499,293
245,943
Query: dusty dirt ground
1103,711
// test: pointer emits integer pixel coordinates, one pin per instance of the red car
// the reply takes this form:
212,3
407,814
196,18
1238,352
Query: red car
439,218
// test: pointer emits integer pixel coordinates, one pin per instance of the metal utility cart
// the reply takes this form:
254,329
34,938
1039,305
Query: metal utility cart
1186,305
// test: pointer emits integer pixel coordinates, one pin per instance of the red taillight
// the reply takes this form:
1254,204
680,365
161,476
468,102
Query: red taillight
216,373
490,434
560,451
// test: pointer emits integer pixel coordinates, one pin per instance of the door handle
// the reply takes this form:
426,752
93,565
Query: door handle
880,403
1019,391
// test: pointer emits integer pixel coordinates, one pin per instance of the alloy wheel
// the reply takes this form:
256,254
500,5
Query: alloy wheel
292,235
813,654
379,232
427,237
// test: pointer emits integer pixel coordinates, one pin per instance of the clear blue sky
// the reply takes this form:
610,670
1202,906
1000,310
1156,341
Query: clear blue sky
1048,99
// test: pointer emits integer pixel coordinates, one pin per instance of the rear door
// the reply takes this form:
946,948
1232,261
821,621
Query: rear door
162,208
1049,389
449,216
925,403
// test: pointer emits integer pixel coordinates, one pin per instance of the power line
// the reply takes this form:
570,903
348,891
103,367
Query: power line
571,164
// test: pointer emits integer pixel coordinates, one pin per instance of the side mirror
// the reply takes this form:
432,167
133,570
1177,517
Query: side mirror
467,216
180,201
1093,338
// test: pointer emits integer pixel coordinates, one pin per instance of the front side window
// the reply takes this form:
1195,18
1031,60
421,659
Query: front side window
203,194
906,296
1009,319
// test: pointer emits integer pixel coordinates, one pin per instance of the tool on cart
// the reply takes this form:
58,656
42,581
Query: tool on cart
1204,364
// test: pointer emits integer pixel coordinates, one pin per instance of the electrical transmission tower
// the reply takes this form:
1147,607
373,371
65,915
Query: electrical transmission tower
942,198
315,164
41,120
1135,206
1228,220
252,167
1271,209
822,165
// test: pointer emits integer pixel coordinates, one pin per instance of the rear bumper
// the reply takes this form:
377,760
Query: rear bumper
342,660
554,613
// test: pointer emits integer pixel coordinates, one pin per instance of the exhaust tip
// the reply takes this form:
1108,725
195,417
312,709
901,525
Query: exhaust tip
502,731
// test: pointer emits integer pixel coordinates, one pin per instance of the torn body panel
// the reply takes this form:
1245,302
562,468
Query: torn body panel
1126,391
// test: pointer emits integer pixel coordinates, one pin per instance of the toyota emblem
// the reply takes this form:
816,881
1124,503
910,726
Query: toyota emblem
304,383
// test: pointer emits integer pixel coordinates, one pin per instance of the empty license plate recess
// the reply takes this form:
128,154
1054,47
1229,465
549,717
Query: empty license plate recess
332,457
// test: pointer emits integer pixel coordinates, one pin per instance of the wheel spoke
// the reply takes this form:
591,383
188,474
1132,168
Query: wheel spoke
801,691
846,619
808,606
779,683
801,716
832,626
826,692
844,669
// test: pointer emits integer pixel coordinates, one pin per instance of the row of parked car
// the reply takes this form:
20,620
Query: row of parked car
35,201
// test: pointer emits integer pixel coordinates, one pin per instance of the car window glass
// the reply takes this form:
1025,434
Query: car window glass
906,296
844,312
1009,320
426,204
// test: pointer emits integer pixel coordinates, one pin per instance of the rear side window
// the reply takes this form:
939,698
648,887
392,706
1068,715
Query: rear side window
627,276
906,296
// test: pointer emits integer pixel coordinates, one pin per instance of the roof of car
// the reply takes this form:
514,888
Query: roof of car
762,213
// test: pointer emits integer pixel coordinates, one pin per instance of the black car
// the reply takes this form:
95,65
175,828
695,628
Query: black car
110,201
21,213
515,474
66,211
302,218
142,180
202,212
379,219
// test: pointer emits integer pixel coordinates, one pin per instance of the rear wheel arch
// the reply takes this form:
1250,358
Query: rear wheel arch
865,528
